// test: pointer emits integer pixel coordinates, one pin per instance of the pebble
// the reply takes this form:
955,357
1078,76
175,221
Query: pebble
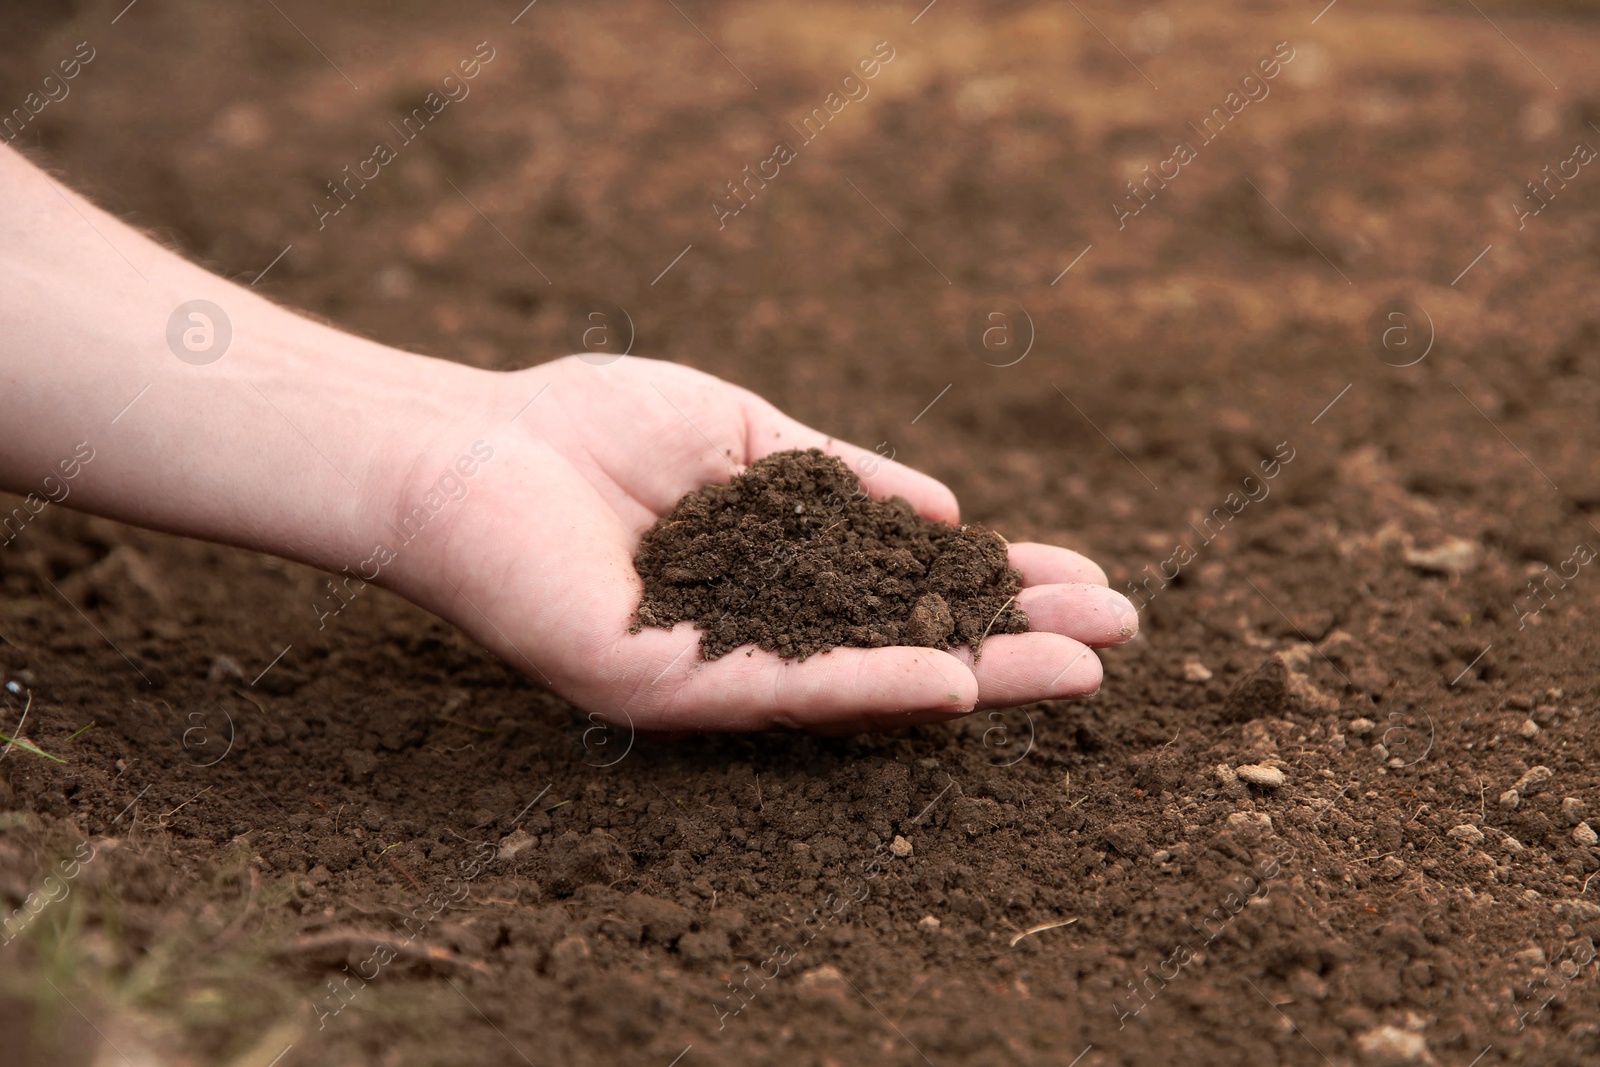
1261,775
1532,956
1535,777
928,922
1455,554
1529,729
1225,774
1391,868
900,847
1256,821
1195,671
1465,832
1362,727
1510,799
1574,810
1584,835
1161,856
1392,1046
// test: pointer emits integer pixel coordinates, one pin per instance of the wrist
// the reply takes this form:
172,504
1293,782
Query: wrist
376,423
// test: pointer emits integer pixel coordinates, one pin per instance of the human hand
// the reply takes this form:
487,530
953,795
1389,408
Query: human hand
536,559
313,444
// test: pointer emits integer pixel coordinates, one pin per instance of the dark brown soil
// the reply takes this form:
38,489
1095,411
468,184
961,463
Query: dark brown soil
1400,621
793,557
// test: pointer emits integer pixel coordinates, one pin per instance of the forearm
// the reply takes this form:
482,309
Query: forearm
277,445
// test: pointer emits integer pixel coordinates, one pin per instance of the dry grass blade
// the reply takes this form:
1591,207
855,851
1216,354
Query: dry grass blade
1040,928
24,745
977,646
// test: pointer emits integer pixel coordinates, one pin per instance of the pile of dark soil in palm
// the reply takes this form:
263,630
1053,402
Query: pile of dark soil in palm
793,557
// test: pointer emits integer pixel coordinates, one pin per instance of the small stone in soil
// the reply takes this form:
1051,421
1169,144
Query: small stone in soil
1535,777
1250,822
1584,835
1195,671
1530,957
900,847
1261,775
928,922
1390,1046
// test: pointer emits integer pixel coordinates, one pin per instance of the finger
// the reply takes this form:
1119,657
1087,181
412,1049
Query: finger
1049,565
1092,614
1021,668
833,691
773,431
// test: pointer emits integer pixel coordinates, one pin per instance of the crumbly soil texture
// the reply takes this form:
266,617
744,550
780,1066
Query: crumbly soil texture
1335,806
793,557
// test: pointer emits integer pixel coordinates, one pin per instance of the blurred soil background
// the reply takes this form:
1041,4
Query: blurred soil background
374,843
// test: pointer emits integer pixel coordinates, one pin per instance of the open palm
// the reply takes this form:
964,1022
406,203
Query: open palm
537,562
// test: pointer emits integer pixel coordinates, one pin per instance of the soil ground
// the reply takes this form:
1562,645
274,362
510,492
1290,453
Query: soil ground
374,843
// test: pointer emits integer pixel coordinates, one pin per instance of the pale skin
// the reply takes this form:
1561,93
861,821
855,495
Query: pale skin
312,444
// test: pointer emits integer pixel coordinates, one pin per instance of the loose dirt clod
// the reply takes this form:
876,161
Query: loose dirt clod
793,557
